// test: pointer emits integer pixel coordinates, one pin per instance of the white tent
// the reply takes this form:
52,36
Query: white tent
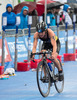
3,7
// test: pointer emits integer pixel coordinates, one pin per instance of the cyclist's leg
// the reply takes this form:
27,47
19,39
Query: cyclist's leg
44,48
57,52
56,62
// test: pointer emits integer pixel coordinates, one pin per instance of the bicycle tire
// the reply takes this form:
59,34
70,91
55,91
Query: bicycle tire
38,80
55,83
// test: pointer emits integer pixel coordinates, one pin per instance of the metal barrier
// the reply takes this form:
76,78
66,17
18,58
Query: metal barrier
24,32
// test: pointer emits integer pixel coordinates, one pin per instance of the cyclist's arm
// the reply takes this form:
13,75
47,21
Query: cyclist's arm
53,40
35,42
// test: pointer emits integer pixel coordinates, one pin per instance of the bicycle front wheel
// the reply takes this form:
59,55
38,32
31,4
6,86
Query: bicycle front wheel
43,79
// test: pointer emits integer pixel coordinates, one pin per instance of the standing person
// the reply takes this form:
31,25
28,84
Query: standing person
11,17
50,41
34,15
52,17
66,10
23,17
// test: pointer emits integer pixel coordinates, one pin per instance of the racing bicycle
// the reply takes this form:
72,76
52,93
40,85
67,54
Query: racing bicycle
47,74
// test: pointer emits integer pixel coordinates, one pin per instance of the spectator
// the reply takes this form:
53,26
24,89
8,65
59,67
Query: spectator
66,10
62,17
11,17
57,9
52,17
75,12
33,13
24,17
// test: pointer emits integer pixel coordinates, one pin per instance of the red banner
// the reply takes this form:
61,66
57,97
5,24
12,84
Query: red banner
7,54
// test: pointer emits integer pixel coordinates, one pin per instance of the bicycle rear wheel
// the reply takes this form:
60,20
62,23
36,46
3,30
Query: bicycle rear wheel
59,85
43,84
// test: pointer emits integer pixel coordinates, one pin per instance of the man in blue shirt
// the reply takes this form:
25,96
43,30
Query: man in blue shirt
23,18
52,18
11,17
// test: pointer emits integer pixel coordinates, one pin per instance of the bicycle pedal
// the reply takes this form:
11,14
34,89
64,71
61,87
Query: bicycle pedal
44,80
56,78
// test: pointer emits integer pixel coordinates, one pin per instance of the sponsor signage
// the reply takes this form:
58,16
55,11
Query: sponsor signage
22,47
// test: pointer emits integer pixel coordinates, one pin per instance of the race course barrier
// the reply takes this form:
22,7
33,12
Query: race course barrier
22,44
69,57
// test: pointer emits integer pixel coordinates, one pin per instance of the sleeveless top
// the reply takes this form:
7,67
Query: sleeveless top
47,40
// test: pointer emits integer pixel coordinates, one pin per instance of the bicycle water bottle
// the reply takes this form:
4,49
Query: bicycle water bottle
49,64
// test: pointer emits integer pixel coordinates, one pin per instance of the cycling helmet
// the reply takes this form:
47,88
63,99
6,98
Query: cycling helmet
41,27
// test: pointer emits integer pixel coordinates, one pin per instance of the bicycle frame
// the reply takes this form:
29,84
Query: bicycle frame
52,76
44,59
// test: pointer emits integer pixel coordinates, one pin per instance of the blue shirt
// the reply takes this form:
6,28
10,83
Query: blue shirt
52,19
11,18
23,19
